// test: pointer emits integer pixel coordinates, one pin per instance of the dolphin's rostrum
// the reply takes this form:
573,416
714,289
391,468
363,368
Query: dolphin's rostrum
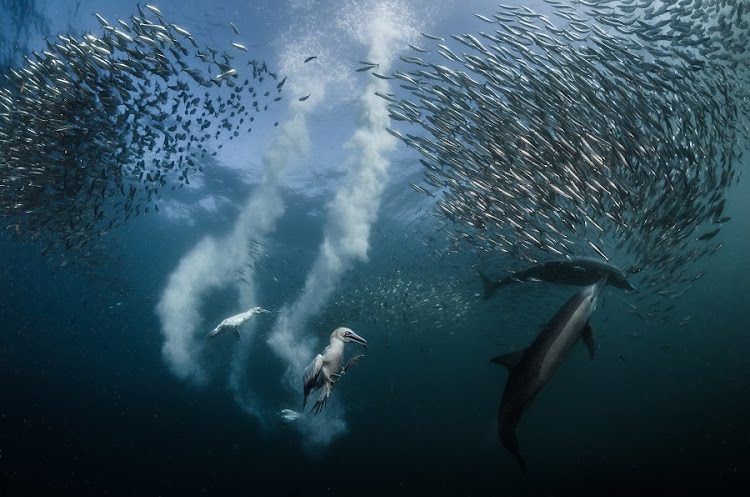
326,369
531,368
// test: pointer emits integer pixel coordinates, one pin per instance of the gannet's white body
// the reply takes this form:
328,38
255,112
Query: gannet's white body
326,369
231,324
289,416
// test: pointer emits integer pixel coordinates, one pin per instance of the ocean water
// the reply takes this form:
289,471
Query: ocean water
108,387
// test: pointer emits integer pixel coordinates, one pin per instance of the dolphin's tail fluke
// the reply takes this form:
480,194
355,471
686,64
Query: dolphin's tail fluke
509,439
511,443
521,463
514,449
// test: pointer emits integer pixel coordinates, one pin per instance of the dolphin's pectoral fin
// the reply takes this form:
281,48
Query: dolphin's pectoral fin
509,360
352,362
588,339
236,332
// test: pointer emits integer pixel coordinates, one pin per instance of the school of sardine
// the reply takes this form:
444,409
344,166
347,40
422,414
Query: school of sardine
614,133
94,127
397,300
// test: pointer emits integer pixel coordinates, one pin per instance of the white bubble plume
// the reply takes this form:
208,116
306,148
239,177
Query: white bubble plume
351,212
212,264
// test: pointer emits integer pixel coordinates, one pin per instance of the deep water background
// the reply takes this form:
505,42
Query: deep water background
88,406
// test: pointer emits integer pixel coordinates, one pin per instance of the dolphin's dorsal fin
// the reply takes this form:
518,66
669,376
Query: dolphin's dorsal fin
510,360
588,339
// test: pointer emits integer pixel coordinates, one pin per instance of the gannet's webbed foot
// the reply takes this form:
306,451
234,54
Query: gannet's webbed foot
352,362
319,405
323,398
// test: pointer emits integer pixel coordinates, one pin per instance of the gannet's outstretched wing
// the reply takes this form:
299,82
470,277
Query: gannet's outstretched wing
310,377
352,362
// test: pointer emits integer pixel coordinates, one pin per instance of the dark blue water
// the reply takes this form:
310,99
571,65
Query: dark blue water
88,406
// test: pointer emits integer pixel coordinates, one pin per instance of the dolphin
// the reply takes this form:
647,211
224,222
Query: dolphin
531,368
578,271
325,369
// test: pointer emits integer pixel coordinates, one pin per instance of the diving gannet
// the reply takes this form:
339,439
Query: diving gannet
326,369
289,416
231,324
581,271
531,368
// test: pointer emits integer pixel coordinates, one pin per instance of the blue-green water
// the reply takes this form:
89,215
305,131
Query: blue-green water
92,405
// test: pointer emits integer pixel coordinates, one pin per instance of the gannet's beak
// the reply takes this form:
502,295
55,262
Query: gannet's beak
353,337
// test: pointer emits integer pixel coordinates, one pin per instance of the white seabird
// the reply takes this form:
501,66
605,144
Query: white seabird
231,324
326,369
289,416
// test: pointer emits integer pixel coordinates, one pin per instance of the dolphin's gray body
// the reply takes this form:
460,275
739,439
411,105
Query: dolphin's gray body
325,369
574,271
531,368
